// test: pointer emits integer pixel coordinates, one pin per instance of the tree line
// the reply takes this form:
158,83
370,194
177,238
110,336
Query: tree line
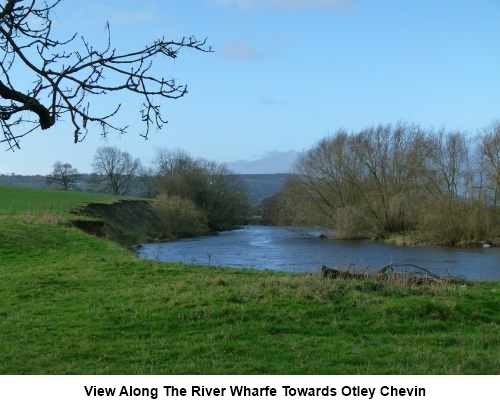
193,196
429,185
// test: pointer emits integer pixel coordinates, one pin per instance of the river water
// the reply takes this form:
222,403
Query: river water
301,250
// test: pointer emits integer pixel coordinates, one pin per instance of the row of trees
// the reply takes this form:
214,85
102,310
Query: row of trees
193,195
441,186
213,189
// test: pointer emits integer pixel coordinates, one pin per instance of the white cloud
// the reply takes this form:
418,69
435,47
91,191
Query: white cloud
266,100
241,51
135,13
289,5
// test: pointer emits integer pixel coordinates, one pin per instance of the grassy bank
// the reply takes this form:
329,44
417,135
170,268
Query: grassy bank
76,304
124,219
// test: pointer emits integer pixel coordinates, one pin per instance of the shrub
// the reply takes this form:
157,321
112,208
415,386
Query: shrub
180,216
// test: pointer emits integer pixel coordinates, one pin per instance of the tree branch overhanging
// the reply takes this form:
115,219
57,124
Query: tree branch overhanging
65,81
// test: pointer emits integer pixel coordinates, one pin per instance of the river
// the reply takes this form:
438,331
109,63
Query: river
302,250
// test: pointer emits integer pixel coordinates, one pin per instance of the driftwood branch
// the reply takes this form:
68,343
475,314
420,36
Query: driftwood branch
416,274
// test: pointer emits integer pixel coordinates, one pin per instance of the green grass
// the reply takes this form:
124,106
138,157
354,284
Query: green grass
37,201
76,304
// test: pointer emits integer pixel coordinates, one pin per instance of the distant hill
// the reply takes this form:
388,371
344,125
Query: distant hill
261,186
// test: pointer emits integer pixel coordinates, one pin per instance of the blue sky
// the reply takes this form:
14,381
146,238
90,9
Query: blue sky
286,73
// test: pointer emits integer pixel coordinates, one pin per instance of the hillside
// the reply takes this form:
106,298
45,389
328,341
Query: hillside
261,186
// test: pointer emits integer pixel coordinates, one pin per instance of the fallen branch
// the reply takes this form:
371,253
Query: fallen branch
338,273
416,274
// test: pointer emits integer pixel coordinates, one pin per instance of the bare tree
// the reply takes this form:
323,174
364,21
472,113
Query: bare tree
332,173
489,149
396,158
63,175
398,179
115,172
64,77
173,169
168,162
450,164
222,195
211,186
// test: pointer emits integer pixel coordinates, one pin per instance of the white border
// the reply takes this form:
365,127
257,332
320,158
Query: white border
55,390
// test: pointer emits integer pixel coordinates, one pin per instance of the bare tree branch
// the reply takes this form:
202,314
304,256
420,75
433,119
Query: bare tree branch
65,81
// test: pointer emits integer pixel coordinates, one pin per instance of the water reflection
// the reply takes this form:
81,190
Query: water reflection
302,250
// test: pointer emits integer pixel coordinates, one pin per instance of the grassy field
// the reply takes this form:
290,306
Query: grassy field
23,200
77,304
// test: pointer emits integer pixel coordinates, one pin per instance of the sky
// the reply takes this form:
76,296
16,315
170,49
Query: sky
284,74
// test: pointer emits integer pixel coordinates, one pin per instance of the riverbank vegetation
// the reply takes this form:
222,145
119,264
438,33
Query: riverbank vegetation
193,196
397,181
190,196
216,193
77,304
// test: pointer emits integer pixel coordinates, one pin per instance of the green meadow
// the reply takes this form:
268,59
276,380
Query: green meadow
41,201
72,303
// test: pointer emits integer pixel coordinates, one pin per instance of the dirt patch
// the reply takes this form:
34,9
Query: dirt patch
91,227
126,221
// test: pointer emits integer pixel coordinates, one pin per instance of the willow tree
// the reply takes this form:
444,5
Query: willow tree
489,151
44,78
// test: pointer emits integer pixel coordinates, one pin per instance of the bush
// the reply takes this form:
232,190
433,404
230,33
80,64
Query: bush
180,216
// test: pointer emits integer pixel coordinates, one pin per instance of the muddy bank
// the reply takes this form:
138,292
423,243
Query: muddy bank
126,221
